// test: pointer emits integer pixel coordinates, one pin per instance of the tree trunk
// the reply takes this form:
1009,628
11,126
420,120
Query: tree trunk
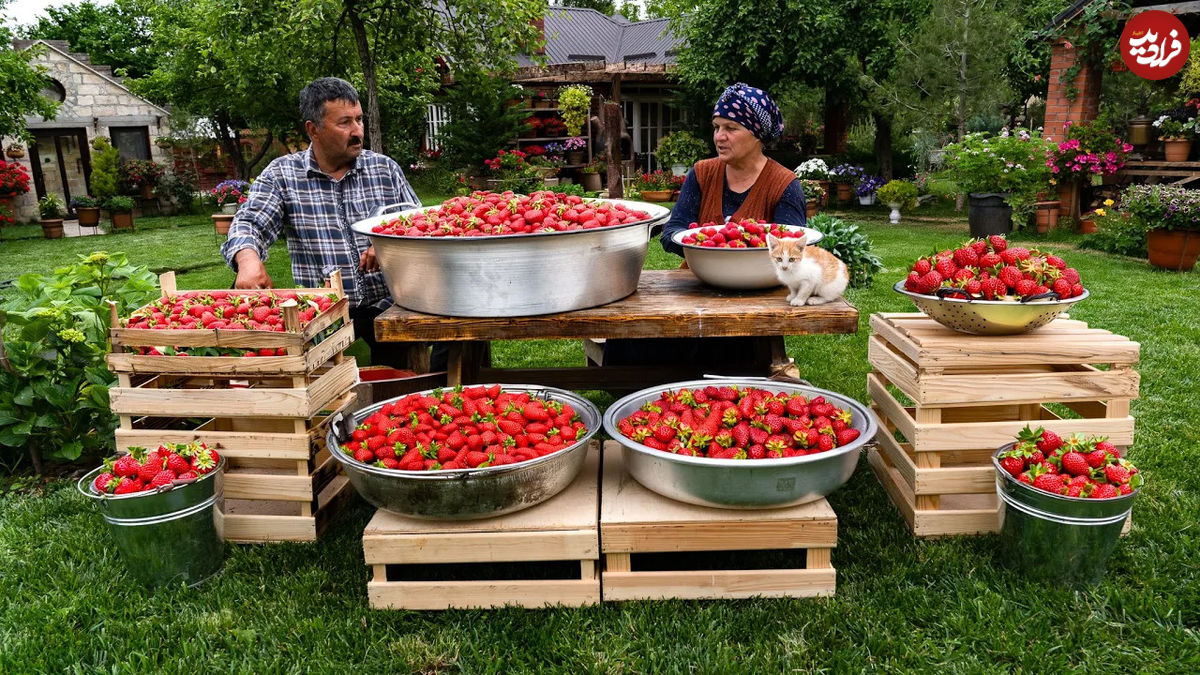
836,110
374,139
229,138
962,92
883,144
613,127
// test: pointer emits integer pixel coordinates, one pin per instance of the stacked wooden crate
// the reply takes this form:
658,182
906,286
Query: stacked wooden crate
266,415
971,394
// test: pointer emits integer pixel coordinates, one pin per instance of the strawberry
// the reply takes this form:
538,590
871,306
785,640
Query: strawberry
922,266
929,282
178,464
1109,448
966,257
945,267
1013,465
1049,442
997,242
664,433
126,467
1025,287
1075,464
162,478
1049,483
1010,276
103,481
127,486
825,442
847,436
1105,491
1096,458
1115,473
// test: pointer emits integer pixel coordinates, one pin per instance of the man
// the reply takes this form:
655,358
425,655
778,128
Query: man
316,195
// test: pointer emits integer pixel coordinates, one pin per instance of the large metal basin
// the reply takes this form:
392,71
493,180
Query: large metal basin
989,317
741,483
513,275
735,268
463,494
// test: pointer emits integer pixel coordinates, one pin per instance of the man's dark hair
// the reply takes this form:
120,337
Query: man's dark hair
320,91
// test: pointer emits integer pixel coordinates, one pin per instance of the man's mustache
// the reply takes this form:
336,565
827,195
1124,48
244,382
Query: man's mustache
355,140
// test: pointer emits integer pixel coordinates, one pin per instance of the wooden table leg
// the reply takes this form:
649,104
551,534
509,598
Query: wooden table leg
415,356
465,360
782,365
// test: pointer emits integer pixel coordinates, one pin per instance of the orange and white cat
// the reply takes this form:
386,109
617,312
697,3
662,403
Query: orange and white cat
813,275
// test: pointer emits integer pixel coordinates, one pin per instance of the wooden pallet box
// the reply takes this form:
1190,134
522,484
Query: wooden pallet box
968,395
547,555
636,525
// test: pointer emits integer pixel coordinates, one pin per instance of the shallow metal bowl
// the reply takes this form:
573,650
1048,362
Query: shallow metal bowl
516,274
463,494
735,268
990,317
741,483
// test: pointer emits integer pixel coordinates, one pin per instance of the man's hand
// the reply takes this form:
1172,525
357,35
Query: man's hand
368,262
251,271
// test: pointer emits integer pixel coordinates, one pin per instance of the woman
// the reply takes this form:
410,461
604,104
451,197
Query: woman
740,182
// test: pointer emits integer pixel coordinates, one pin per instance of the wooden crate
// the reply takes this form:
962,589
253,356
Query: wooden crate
636,525
560,534
971,394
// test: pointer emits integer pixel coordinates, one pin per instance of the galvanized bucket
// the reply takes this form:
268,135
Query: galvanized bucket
1067,538
166,536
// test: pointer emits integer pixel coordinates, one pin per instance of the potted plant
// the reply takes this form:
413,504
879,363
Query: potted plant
1171,217
1088,152
680,150
573,148
656,186
1176,135
142,174
547,165
814,196
589,176
51,207
998,173
14,180
15,151
574,103
511,171
541,101
898,194
87,209
552,127
532,128
106,166
815,169
866,187
845,176
229,194
120,211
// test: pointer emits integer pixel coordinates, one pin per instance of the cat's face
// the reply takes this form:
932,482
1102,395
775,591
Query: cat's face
786,252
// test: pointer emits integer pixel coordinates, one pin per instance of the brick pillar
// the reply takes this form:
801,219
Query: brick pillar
1059,108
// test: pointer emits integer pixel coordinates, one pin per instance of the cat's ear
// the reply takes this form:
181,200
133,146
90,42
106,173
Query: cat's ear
801,241
772,240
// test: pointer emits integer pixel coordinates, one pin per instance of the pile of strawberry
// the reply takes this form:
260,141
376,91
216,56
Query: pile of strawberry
482,214
737,234
227,310
1077,467
732,423
465,428
140,470
990,269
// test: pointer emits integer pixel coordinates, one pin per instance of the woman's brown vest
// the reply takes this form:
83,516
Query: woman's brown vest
760,203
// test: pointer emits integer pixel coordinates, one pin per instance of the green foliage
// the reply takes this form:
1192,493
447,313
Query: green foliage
570,189
1117,233
681,147
54,382
22,86
106,168
51,206
1012,163
1189,81
1094,35
481,119
899,192
114,34
574,102
605,7
119,204
180,186
1169,207
851,246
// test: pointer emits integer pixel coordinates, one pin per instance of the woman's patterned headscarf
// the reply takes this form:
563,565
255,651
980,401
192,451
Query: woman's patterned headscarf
752,108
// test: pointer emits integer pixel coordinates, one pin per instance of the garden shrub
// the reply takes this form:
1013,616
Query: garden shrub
851,246
53,378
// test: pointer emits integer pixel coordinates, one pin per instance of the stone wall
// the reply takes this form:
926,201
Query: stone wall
95,100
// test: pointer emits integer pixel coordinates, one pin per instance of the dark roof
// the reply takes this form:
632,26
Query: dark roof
1076,8
578,35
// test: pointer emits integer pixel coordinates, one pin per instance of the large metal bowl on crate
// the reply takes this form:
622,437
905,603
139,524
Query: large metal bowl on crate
513,275
990,317
740,483
740,269
464,494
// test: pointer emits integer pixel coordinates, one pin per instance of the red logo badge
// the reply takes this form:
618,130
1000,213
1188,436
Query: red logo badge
1154,45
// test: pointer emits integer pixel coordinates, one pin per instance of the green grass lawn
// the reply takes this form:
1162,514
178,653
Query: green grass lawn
901,604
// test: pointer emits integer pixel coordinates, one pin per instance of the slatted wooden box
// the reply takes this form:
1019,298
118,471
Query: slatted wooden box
971,394
656,548
542,556
267,415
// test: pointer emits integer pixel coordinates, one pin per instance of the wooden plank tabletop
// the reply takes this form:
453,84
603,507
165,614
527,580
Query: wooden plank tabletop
668,303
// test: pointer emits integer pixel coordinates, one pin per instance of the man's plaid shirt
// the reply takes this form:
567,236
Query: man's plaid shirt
317,211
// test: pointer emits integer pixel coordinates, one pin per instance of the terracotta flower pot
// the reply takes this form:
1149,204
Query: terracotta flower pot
1047,216
656,195
825,190
1087,226
121,221
590,181
16,151
812,209
1173,249
845,192
89,216
52,228
147,191
222,221
1176,149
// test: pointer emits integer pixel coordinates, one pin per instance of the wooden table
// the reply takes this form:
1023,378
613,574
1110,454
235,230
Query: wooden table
668,303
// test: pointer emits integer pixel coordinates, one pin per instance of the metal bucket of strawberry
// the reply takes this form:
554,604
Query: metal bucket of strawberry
502,255
747,443
465,453
161,509
1064,503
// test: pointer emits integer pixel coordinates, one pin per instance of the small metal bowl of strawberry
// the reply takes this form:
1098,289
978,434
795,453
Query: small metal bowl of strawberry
735,255
762,470
499,476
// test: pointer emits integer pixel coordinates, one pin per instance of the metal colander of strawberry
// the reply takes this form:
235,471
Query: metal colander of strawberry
741,442
466,452
747,233
987,287
1078,467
